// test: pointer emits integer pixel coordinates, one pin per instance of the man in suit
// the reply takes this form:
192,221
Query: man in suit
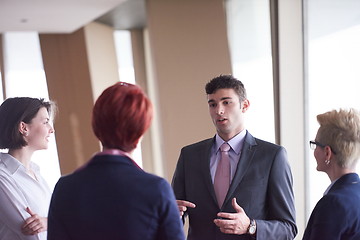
259,203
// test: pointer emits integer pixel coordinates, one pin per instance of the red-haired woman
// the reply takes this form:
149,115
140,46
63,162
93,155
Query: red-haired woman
111,197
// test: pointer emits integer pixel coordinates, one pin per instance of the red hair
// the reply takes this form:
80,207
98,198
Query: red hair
121,115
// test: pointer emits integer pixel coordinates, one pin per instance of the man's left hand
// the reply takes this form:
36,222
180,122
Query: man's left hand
233,223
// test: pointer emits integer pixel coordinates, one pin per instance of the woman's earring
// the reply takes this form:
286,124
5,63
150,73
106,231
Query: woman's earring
26,134
327,162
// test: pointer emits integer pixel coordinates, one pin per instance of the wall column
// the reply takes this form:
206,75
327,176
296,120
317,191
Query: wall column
184,51
76,74
292,100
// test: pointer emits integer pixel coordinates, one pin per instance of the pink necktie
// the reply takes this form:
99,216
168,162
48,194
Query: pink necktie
222,175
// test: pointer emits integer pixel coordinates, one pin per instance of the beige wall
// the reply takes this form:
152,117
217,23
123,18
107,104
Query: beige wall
186,51
78,67
174,58
100,48
292,103
67,71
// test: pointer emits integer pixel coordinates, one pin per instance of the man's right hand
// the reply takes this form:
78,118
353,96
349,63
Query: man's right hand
183,205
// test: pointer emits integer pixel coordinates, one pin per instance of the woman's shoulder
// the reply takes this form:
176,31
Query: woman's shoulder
8,164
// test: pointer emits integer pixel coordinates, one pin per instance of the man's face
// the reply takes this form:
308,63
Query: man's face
227,113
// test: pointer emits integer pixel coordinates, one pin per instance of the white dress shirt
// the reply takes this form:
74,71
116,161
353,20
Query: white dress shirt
18,191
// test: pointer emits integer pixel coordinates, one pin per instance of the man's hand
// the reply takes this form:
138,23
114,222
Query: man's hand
34,224
183,205
233,223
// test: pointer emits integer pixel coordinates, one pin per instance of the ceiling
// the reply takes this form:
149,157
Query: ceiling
67,16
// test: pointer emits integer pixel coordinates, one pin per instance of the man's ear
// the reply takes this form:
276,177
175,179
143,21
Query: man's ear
245,105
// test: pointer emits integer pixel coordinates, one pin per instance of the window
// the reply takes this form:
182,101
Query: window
250,48
25,77
333,58
126,71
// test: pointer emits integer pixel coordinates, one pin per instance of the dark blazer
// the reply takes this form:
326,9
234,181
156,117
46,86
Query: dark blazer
337,214
112,198
262,186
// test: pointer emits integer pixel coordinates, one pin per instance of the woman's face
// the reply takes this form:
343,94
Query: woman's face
320,160
320,156
39,130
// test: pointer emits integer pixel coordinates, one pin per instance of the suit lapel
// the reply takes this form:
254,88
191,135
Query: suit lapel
205,168
247,153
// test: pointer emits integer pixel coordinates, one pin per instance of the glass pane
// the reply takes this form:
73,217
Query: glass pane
250,49
124,56
333,55
25,77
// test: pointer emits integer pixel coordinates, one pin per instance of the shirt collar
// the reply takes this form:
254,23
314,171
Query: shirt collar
12,164
118,152
329,187
235,143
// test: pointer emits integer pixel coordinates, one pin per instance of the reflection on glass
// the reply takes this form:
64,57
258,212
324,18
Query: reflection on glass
250,49
333,56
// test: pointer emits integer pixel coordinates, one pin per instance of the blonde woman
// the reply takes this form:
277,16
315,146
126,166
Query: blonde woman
337,150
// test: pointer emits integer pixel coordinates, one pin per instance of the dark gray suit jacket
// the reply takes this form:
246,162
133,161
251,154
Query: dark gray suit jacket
262,186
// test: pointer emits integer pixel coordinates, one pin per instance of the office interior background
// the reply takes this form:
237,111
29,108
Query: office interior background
297,58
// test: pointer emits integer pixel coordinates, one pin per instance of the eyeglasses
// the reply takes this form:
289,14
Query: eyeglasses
313,145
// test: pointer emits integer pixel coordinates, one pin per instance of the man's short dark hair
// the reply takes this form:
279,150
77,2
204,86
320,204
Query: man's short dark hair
227,82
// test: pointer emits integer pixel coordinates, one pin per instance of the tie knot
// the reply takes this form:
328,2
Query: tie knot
224,147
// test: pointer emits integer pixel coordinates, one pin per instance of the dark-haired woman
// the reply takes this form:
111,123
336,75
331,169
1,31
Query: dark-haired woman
24,195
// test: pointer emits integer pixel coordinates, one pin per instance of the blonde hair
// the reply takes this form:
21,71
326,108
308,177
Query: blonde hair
341,131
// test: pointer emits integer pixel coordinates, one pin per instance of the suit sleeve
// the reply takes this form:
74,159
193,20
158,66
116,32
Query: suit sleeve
179,179
280,222
56,230
178,182
170,224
